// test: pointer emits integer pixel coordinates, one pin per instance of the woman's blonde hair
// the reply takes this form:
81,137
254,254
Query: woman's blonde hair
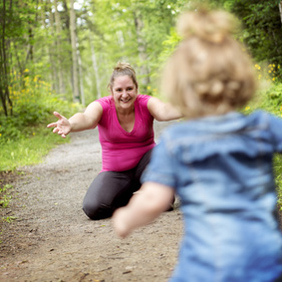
122,69
209,73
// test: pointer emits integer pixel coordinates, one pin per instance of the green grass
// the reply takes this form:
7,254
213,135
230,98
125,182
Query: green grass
5,198
5,195
24,151
28,150
24,138
277,165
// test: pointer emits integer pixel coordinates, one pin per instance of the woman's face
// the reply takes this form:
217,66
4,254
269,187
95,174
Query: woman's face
124,92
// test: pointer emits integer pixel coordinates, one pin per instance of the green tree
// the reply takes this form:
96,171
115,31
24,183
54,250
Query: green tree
17,24
262,30
132,31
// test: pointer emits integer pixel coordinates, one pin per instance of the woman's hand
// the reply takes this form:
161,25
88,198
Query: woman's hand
62,126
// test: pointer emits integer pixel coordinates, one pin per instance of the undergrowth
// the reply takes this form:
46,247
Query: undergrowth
24,138
270,99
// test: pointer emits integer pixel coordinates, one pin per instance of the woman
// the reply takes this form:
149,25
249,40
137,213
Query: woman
125,124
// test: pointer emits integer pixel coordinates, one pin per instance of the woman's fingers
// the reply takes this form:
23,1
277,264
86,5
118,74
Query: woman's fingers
60,132
53,124
59,125
59,116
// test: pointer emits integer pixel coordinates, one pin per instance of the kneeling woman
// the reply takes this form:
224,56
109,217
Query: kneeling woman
125,123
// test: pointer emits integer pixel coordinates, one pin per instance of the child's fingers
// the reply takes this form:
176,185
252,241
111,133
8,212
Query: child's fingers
121,228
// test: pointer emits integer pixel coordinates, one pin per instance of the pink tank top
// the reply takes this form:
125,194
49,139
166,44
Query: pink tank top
122,150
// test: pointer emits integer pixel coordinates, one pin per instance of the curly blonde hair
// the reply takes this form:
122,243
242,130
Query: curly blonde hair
122,69
209,73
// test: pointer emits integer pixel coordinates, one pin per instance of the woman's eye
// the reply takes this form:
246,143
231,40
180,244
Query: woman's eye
129,88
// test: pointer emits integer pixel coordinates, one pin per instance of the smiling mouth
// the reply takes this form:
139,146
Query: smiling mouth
125,101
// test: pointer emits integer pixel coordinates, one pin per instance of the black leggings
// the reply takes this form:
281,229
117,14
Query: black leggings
111,190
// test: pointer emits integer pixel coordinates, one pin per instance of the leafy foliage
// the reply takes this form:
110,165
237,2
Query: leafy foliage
270,99
24,138
262,29
34,102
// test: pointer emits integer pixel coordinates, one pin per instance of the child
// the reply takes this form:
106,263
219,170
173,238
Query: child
219,161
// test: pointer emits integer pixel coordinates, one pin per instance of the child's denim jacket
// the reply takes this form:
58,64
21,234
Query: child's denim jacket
221,168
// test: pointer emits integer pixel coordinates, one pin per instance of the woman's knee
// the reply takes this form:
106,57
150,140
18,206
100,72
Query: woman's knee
96,211
108,191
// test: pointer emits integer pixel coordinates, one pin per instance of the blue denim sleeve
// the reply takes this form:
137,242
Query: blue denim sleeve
275,125
160,168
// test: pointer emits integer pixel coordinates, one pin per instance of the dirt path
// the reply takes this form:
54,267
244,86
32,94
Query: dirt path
53,240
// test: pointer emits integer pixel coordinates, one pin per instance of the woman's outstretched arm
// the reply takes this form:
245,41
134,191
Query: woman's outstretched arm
162,111
146,205
78,122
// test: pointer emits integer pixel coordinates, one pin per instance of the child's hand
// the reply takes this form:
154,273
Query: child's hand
119,223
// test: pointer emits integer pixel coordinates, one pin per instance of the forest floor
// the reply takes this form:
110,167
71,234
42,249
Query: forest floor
51,239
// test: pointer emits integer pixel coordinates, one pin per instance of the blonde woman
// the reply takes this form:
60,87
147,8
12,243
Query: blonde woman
125,123
219,161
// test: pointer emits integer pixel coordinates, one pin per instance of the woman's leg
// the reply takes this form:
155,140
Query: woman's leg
111,190
108,191
139,169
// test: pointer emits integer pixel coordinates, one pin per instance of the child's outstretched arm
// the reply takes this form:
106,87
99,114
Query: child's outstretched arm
147,204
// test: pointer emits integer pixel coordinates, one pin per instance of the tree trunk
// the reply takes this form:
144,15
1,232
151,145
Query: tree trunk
59,49
144,70
280,9
74,53
2,45
48,47
80,79
121,42
66,18
2,93
30,47
53,60
4,89
95,67
29,53
7,69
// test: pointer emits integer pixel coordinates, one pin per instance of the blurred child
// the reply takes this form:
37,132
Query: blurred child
219,161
